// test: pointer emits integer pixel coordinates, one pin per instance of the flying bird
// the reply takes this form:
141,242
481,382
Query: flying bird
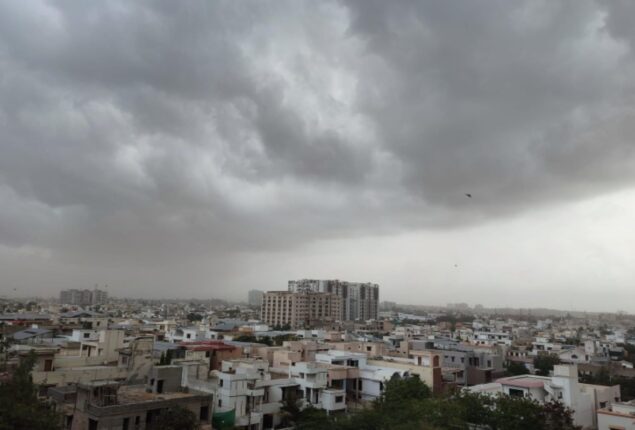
468,195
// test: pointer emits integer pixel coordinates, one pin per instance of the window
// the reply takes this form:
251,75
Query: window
86,335
220,403
339,399
516,393
126,423
220,382
204,415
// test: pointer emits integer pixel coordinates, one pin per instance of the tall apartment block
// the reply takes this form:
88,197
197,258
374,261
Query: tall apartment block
254,297
301,309
83,297
360,301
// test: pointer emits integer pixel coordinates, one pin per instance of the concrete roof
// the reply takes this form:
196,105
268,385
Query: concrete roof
522,382
30,333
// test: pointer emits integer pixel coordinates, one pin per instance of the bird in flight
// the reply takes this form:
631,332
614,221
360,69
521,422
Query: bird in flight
468,195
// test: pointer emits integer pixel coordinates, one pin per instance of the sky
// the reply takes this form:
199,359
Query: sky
462,151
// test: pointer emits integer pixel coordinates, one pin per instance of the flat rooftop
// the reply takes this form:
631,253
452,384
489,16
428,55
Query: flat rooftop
523,381
129,394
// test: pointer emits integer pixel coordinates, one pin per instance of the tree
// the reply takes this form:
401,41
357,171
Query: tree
515,368
20,408
399,390
311,418
556,416
291,408
516,413
166,358
280,339
544,363
194,317
253,339
177,418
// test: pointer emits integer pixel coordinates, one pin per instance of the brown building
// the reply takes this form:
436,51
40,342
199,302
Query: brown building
298,310
108,405
212,351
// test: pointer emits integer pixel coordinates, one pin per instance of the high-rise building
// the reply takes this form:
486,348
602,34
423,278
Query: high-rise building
254,297
83,297
301,309
360,301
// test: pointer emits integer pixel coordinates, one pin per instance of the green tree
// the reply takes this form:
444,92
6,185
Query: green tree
166,358
399,390
544,363
20,408
192,316
311,418
515,368
291,408
251,338
177,418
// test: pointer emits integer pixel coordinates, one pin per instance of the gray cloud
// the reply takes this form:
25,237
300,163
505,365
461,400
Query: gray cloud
145,134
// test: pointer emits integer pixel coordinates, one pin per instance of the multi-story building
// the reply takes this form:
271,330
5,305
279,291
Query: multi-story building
83,297
109,405
301,309
254,297
360,301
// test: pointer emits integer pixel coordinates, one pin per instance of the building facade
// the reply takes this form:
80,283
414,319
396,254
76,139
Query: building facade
301,309
83,297
360,300
254,297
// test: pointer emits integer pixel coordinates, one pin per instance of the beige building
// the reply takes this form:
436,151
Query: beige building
299,310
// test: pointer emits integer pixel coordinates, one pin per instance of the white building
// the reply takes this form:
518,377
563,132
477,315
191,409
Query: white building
189,334
584,399
618,416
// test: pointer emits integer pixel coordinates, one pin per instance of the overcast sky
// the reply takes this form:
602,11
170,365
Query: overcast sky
202,149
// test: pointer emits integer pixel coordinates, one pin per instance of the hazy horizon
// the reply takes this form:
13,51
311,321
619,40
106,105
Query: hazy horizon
448,151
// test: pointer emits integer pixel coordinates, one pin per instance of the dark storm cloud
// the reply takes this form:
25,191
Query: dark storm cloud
144,131
521,103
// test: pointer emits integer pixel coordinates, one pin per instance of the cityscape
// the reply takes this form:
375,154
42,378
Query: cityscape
329,346
317,215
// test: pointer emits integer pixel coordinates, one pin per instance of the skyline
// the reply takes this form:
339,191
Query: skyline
449,152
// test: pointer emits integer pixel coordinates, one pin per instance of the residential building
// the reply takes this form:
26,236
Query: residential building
617,416
109,405
301,309
83,297
584,399
360,301
254,297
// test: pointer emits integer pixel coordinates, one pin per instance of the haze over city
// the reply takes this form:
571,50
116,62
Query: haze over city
448,151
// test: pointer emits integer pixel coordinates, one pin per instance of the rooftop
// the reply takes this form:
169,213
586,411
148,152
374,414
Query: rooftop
523,381
207,345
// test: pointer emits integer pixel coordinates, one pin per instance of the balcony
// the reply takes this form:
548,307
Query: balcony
250,419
